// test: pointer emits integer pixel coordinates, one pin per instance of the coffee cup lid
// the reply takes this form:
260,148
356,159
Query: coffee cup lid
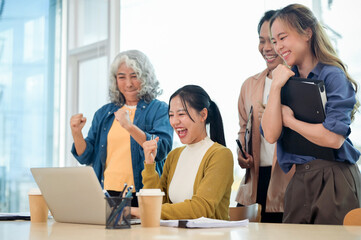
34,191
150,192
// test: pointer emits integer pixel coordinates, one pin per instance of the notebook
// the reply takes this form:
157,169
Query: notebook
307,99
203,222
73,194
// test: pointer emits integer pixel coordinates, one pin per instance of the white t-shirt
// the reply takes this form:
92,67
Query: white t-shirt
267,149
181,186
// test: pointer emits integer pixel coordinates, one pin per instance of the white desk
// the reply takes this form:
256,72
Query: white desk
19,230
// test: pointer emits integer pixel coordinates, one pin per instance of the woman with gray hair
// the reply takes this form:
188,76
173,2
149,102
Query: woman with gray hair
113,146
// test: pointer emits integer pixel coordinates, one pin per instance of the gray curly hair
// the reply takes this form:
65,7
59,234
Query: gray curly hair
144,70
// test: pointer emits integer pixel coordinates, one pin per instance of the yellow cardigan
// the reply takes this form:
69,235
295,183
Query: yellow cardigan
211,189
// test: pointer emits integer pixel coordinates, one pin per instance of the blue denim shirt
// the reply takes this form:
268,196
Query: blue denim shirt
340,102
151,118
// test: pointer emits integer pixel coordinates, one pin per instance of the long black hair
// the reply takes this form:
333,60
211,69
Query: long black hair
196,97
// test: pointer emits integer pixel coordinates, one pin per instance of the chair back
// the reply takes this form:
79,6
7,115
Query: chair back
251,212
353,217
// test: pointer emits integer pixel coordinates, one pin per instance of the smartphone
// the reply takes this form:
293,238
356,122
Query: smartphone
240,147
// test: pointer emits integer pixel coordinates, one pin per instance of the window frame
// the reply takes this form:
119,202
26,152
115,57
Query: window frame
71,59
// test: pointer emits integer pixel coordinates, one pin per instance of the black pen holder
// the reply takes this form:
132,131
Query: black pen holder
118,212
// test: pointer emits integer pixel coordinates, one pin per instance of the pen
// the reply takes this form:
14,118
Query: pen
107,195
152,138
120,207
121,193
240,147
129,191
112,203
119,212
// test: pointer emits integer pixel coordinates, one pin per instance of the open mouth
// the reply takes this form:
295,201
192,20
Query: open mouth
182,132
285,54
270,58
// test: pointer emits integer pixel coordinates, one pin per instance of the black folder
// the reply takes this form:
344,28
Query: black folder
307,99
248,133
13,217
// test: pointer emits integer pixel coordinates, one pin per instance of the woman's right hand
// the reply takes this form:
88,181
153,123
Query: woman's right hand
77,123
122,116
245,162
150,150
280,75
135,212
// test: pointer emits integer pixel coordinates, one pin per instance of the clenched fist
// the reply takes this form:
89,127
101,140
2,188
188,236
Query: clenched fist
77,123
122,116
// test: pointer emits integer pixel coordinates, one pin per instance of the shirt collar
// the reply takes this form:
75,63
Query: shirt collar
142,104
315,72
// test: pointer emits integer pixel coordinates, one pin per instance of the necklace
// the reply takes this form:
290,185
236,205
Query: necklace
130,109
131,106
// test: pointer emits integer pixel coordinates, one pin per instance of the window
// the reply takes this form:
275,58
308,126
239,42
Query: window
28,91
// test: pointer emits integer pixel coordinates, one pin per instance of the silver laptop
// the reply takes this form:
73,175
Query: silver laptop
73,194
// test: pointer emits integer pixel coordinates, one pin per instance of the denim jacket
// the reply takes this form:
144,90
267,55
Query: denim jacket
151,118
341,98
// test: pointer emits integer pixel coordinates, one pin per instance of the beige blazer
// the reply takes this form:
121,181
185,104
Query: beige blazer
251,95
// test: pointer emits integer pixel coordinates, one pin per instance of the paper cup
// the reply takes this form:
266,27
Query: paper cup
38,207
150,206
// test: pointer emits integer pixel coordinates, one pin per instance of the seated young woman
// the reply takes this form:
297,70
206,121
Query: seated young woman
197,177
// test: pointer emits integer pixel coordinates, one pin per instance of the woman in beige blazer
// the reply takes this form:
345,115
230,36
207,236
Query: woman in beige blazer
264,181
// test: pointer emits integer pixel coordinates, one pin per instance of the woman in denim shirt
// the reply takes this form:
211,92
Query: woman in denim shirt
321,191
113,146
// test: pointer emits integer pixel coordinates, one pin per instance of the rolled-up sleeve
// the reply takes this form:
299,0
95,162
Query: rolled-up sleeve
340,102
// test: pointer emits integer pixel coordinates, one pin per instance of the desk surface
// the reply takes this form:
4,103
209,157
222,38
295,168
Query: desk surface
54,230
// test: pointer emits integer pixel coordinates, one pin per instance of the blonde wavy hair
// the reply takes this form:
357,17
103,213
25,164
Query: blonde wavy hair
300,18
